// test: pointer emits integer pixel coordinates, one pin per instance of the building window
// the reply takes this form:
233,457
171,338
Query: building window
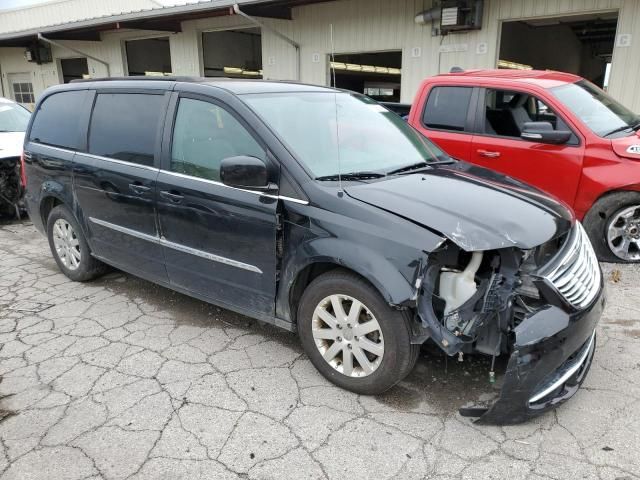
23,92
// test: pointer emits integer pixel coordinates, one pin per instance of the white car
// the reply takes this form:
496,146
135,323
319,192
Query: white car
13,123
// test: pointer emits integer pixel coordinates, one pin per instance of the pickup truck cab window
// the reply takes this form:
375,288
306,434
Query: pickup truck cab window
204,135
447,108
507,112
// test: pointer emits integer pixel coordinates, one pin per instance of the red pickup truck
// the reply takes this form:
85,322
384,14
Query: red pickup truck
553,130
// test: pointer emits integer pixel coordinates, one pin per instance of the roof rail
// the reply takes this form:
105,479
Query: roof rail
168,78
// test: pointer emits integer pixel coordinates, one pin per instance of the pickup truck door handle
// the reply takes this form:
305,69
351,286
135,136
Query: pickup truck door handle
172,196
488,154
138,188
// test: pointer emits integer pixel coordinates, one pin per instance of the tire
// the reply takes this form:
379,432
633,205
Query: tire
605,221
379,371
72,255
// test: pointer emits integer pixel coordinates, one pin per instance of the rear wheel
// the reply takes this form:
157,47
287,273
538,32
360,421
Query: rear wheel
613,225
352,336
69,247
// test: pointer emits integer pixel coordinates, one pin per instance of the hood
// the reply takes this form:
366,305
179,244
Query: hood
11,144
475,208
627,147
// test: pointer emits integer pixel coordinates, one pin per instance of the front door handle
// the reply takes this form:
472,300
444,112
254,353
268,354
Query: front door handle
172,196
138,188
488,154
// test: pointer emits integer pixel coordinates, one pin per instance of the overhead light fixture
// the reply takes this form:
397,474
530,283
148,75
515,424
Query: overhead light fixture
513,65
235,70
355,67
253,73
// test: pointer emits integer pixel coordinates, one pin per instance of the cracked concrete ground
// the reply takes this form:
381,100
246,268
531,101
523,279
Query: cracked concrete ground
120,378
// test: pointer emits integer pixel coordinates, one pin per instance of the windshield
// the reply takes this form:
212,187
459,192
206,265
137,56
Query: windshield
13,117
601,113
343,133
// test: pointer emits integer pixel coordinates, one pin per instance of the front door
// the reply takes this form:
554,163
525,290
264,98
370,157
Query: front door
115,180
219,242
556,169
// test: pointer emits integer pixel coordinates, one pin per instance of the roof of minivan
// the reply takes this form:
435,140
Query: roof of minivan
238,86
543,78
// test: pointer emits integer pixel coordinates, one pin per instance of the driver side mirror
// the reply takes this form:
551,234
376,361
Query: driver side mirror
543,132
245,172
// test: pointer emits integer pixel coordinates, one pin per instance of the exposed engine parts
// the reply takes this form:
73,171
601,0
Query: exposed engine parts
10,186
467,300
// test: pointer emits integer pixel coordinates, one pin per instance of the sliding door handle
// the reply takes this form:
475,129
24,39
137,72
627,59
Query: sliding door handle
138,188
172,196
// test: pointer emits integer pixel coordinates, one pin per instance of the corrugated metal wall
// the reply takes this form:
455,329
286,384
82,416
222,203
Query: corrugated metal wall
65,11
361,25
378,25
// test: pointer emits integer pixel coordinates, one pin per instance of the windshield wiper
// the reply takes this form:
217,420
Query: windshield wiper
420,166
352,176
623,128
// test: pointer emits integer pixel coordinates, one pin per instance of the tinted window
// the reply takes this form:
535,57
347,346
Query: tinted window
447,108
124,126
204,135
57,120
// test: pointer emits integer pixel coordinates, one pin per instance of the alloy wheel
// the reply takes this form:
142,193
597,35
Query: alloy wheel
66,244
623,233
348,335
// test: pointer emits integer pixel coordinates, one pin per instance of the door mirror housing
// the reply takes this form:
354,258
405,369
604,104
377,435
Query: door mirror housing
543,132
245,172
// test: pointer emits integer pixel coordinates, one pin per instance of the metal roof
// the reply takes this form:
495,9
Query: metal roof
65,15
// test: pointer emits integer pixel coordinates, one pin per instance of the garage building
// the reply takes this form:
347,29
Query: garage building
383,48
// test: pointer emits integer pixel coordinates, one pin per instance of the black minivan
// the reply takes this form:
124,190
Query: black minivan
322,212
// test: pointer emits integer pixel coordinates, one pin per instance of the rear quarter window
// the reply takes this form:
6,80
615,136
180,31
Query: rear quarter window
57,121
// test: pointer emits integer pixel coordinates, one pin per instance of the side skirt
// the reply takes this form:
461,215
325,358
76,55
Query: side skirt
278,322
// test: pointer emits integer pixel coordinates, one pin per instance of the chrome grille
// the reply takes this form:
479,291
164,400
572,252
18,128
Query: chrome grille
575,271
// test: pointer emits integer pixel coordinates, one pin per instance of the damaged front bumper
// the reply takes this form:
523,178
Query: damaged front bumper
551,356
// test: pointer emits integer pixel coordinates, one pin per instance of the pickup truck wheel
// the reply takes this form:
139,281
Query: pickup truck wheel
352,336
613,225
69,247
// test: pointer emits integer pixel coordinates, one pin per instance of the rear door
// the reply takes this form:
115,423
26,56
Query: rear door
115,179
502,113
447,118
219,242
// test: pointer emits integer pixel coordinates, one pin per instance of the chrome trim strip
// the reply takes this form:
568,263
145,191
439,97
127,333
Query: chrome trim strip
125,230
220,184
176,246
120,162
66,150
567,375
210,256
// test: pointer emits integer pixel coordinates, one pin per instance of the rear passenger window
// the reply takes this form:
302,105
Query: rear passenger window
57,121
447,108
125,126
204,135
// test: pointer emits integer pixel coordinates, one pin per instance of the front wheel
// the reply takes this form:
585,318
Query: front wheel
352,336
613,225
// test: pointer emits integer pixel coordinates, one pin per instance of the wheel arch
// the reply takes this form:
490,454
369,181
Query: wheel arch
302,269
